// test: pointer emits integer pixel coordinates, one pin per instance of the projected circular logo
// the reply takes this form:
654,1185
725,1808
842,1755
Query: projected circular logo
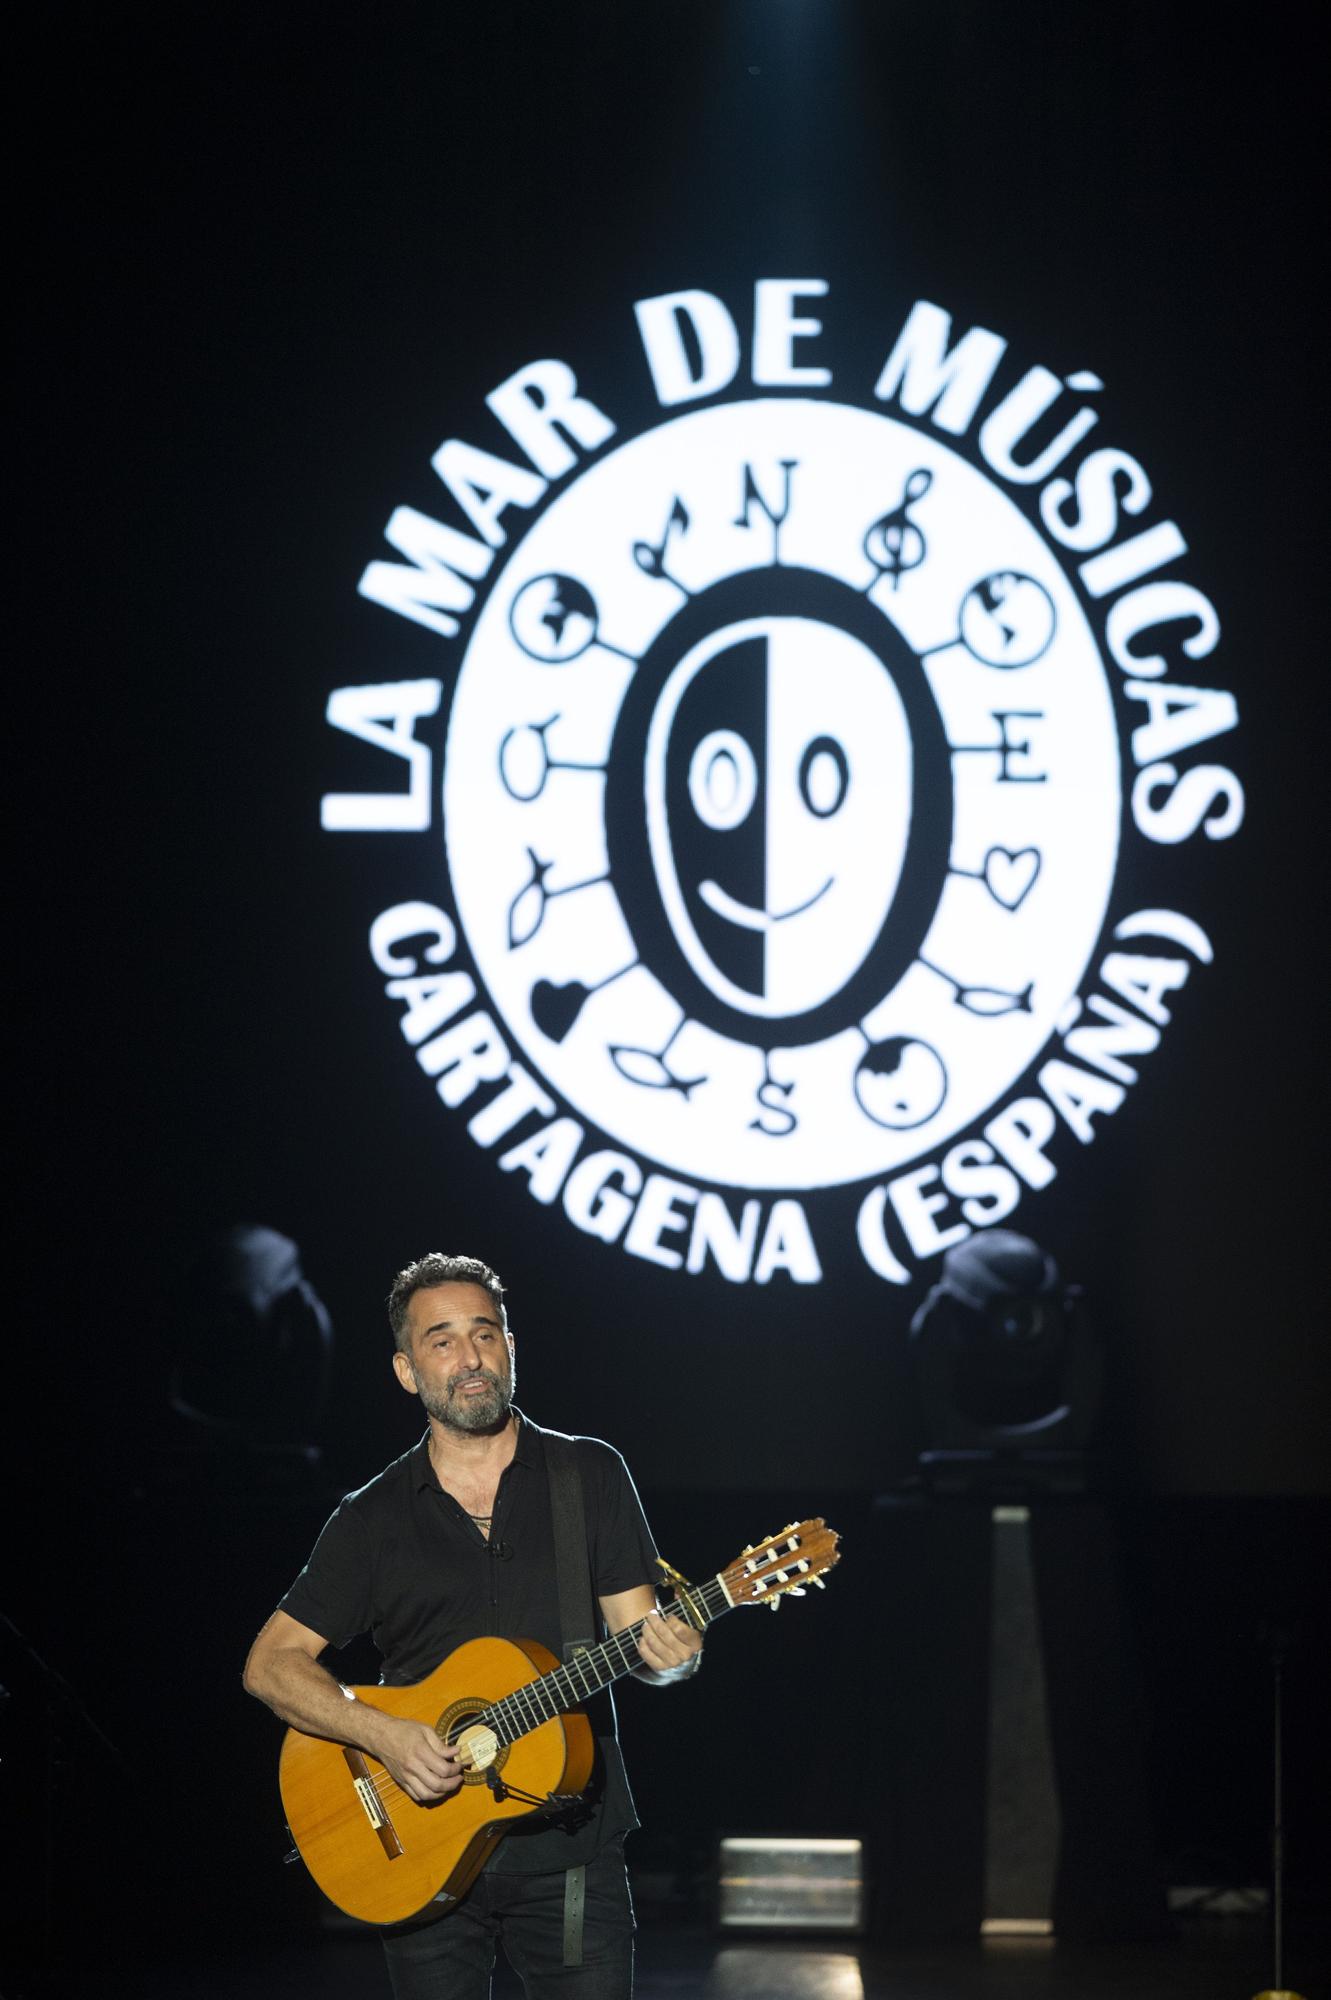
781,793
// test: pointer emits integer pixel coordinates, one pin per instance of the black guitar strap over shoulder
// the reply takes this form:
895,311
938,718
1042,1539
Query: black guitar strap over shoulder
577,1618
576,1621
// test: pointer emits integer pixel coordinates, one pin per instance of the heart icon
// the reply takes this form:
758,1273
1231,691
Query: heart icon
555,1008
1009,877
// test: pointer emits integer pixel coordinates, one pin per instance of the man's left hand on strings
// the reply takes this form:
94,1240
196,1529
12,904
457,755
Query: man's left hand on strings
669,1647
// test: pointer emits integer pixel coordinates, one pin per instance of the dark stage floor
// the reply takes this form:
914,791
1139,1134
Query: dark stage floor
1214,1960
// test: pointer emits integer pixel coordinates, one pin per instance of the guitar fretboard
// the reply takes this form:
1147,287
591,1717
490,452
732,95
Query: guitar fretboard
569,1686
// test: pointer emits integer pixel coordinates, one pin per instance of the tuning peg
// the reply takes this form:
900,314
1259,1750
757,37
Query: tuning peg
774,1603
817,1583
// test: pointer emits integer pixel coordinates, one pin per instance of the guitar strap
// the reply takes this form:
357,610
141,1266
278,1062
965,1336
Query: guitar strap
575,1902
572,1577
577,1629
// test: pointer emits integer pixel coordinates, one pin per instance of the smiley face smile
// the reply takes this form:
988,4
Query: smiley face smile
745,915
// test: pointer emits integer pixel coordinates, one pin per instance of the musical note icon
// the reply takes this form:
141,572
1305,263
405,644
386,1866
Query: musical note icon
894,543
651,556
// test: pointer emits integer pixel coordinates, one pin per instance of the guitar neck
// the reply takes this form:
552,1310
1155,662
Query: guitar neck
571,1685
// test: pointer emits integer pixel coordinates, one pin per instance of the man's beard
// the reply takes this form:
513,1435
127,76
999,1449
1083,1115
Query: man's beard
486,1412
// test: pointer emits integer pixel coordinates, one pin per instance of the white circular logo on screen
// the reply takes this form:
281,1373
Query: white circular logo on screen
781,793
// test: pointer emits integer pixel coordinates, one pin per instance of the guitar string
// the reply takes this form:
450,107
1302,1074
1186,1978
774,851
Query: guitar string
560,1678
388,1787
522,1696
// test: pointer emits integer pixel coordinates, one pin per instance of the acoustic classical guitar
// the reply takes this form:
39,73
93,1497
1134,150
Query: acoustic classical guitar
515,1713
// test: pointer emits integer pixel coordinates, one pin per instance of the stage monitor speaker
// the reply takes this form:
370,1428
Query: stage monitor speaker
791,1884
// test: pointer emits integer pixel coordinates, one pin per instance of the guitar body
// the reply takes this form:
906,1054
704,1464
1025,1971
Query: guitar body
387,1871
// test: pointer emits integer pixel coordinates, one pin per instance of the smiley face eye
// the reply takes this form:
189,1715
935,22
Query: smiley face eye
824,776
723,780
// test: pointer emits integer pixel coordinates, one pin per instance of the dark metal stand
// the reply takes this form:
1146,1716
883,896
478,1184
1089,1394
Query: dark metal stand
1279,1642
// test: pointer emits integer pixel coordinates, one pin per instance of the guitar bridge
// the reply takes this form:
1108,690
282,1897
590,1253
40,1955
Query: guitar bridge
368,1794
369,1798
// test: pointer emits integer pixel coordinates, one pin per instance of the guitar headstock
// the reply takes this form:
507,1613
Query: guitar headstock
799,1555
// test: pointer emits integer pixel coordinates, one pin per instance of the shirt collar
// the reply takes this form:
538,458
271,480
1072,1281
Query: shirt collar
527,1452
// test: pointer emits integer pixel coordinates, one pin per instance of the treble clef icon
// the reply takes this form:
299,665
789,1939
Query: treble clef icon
894,544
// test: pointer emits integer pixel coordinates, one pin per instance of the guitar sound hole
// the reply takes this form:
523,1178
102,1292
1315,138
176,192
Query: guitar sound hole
452,1724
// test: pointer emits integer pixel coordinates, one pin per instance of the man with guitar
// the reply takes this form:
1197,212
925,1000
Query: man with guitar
466,1536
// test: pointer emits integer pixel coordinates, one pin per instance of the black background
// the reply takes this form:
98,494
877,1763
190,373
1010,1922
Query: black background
281,255
272,257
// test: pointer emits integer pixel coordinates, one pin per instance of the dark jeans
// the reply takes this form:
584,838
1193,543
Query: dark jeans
452,1959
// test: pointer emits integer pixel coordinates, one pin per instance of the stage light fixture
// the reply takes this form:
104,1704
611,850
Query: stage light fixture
1007,1369
252,1347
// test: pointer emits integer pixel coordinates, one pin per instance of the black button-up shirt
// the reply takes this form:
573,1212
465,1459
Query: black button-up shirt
402,1560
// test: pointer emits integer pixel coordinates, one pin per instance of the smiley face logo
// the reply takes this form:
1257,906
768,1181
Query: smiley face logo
781,811
777,815
743,872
